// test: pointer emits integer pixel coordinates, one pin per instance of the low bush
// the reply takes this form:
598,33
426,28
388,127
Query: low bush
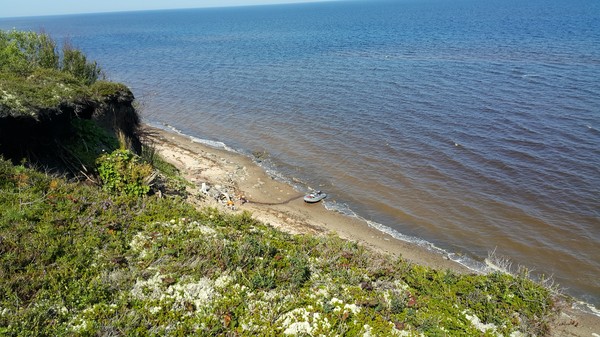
123,172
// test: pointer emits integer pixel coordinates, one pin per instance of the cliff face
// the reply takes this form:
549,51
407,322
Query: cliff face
40,137
116,114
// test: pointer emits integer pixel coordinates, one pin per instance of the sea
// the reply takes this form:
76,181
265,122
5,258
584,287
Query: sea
471,127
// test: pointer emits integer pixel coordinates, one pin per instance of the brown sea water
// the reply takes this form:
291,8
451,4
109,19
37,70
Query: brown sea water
467,126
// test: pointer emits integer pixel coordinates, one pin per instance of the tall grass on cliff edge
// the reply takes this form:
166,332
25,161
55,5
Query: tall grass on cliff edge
76,260
21,53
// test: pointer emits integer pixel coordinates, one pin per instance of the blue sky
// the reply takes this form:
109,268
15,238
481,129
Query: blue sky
12,8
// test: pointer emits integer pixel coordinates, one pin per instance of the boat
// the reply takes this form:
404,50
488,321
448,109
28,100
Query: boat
315,196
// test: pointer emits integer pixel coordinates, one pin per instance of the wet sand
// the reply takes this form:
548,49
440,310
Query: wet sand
278,204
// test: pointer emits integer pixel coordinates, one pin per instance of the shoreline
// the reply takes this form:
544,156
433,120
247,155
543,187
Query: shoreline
278,204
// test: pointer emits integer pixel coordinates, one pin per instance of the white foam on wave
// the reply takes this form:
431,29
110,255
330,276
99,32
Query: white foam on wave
458,258
211,143
587,308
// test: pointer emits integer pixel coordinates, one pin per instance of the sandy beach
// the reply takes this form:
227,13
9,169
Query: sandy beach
280,205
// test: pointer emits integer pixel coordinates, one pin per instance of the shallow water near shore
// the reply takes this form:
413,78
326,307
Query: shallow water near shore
471,126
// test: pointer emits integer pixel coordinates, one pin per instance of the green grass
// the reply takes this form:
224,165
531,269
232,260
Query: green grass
75,260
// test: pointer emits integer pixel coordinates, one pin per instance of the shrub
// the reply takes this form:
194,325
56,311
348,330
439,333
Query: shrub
75,63
122,172
23,52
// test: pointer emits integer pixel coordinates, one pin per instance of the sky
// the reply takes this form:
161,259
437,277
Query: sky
14,8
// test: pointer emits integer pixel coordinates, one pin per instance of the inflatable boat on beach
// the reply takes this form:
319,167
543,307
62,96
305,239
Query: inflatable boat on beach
314,197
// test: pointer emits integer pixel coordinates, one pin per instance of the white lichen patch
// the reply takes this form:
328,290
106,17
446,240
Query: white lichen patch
155,310
298,328
478,324
186,225
321,292
367,331
185,295
304,321
150,289
139,242
83,321
199,293
353,308
223,281
79,325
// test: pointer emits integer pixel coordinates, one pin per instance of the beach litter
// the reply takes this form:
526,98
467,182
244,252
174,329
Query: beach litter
221,195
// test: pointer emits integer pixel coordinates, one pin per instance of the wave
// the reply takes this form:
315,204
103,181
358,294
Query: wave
211,143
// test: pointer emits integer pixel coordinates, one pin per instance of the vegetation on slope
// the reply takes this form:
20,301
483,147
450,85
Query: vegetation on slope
75,259
34,75
54,109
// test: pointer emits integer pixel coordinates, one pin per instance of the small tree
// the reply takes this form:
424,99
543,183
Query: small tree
21,52
47,57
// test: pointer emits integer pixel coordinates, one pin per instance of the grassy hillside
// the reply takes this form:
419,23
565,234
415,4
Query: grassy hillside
76,260
110,258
